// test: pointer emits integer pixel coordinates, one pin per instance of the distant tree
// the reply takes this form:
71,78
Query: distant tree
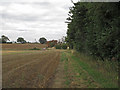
58,46
4,39
0,40
21,40
42,40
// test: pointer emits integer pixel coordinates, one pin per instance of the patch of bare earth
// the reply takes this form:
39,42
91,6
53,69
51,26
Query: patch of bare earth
29,70
57,81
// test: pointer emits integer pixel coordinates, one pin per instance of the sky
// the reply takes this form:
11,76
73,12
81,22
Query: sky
33,19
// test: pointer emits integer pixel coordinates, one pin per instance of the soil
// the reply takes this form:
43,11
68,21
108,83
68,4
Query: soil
57,81
29,70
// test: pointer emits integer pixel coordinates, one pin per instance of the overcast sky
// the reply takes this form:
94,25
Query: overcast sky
33,19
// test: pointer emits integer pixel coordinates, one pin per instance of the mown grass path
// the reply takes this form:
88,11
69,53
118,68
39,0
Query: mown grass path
76,76
74,72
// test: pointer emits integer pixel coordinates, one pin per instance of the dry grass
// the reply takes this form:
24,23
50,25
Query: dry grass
29,70
9,52
22,46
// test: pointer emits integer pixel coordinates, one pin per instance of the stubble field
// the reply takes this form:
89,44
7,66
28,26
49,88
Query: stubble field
28,69
22,46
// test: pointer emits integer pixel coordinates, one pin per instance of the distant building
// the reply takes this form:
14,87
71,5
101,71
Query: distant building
52,41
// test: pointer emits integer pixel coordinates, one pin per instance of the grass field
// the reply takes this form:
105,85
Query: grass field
22,46
25,68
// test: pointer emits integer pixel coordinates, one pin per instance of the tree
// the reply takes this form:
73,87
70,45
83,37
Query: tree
93,28
42,40
21,40
4,39
58,46
64,46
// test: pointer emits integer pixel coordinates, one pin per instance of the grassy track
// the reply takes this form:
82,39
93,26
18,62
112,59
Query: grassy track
98,77
80,74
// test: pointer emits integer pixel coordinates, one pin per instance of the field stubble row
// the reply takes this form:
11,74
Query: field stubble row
29,70
22,46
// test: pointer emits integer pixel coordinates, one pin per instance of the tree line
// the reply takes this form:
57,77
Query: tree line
93,28
5,39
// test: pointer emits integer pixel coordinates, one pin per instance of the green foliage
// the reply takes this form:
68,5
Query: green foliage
61,46
64,46
35,48
21,40
104,72
93,28
58,46
42,40
52,44
98,77
4,39
96,73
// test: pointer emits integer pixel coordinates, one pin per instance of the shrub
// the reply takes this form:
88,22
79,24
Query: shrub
35,49
64,46
52,44
58,46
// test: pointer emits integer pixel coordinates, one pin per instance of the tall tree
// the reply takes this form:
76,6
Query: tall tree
21,40
42,40
94,28
4,39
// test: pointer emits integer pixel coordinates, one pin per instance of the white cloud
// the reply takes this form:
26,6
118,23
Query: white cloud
34,18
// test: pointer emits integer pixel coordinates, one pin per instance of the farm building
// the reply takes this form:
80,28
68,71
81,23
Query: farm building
54,42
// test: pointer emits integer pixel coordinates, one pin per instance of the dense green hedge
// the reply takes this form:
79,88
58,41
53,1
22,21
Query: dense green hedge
58,46
94,28
64,46
61,46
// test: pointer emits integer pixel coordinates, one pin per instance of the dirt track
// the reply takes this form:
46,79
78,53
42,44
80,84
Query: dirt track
29,70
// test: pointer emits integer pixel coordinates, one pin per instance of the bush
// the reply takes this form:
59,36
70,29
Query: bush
52,44
9,42
35,49
58,46
64,46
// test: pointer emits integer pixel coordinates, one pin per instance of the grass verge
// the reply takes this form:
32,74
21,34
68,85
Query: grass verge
97,73
65,60
107,79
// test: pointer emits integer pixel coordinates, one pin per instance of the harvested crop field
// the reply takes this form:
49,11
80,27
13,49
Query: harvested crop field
9,52
29,70
22,46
